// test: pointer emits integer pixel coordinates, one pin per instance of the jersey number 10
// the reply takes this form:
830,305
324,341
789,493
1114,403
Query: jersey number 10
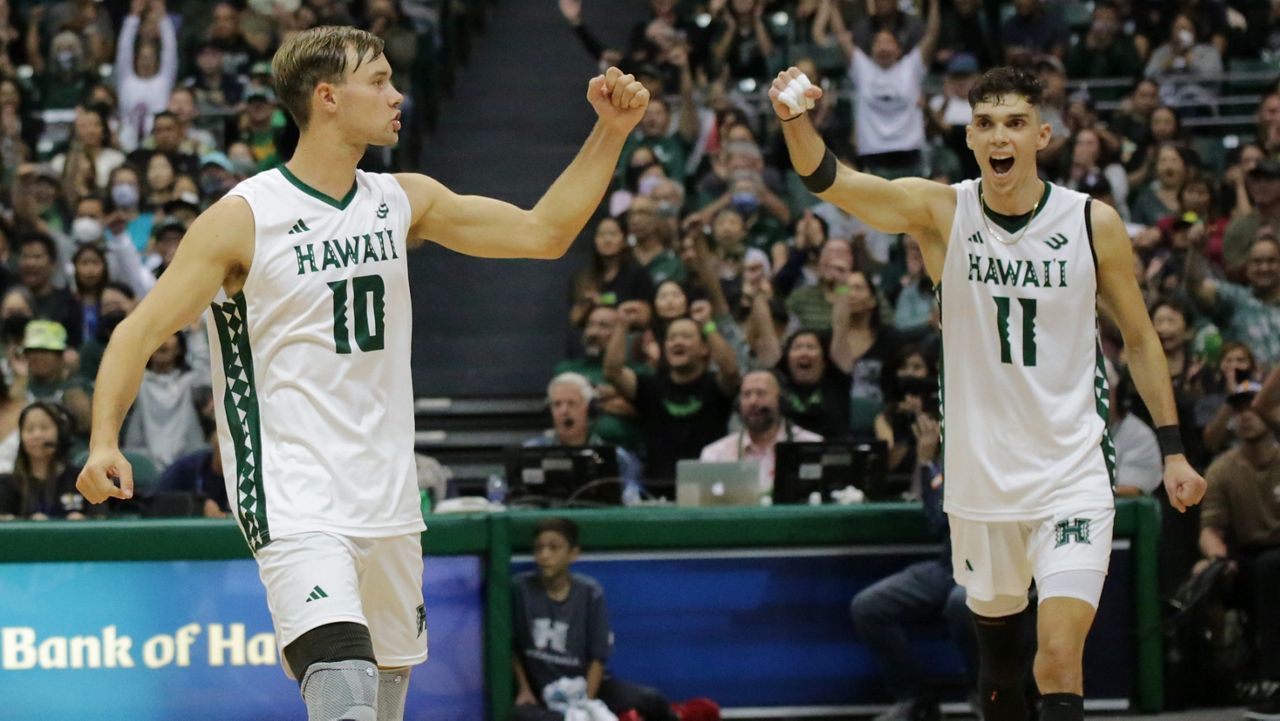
1028,330
364,288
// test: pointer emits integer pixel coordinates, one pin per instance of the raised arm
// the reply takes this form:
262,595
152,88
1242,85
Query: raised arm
841,354
828,21
124,46
728,375
763,339
761,32
168,44
488,228
1197,278
616,372
932,26
907,205
218,246
1122,300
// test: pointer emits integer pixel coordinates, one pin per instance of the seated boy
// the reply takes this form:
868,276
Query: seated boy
562,632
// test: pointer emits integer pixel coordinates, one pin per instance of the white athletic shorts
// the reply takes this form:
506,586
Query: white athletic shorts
313,579
1000,558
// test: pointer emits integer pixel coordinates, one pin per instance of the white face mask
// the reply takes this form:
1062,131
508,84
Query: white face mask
86,230
125,195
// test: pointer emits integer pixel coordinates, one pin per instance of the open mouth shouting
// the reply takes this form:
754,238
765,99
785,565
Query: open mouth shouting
1002,165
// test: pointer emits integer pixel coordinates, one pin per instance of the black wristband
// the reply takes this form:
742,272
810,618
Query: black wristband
824,176
797,116
1170,439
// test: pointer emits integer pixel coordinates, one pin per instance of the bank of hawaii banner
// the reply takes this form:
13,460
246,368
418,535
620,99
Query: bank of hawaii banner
192,640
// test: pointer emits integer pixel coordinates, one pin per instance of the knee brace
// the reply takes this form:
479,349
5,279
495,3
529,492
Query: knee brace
336,672
393,687
341,691
1002,667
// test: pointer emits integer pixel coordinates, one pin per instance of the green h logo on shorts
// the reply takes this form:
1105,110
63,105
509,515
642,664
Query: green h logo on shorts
1074,529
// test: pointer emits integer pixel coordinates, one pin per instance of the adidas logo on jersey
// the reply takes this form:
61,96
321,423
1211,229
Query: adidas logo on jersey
299,227
317,593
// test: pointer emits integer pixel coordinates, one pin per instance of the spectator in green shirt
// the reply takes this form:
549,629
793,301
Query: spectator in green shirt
616,423
670,148
1263,185
651,241
1249,315
810,306
64,78
1105,52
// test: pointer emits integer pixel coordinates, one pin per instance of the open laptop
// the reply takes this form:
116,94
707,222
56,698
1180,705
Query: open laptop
715,483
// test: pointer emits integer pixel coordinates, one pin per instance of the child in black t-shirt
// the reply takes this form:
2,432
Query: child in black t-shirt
562,631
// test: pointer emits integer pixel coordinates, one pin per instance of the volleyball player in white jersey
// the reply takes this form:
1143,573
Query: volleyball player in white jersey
1022,266
311,337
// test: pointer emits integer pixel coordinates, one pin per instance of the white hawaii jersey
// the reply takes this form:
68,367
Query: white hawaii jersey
312,382
1023,389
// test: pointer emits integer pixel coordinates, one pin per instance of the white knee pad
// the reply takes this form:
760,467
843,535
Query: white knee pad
341,691
997,607
393,687
1084,584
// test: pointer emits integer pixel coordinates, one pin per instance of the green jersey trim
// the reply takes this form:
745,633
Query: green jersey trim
328,200
1014,223
1102,400
240,401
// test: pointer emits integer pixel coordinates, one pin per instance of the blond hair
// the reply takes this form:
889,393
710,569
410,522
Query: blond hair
318,55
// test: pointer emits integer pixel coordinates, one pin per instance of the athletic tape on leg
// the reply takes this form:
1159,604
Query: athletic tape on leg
341,691
393,687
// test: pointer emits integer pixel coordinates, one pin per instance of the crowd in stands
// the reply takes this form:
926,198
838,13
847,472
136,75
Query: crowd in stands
119,123
710,259
725,308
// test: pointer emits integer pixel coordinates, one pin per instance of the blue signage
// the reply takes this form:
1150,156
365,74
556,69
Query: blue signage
768,629
193,639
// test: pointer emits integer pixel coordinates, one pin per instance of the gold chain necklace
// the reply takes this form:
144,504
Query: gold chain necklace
983,210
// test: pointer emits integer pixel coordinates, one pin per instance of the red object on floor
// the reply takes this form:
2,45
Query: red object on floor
698,709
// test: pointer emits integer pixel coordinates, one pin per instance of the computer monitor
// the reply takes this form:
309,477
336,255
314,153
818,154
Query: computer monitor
826,466
560,475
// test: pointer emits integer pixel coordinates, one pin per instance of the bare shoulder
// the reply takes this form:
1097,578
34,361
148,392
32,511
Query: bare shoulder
222,237
938,203
1110,239
423,192
226,229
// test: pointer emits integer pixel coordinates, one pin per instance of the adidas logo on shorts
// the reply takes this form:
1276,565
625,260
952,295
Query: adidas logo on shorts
317,593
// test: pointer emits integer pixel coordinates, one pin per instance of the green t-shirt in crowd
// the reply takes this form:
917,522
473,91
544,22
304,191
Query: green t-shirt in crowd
671,151
665,266
810,306
613,429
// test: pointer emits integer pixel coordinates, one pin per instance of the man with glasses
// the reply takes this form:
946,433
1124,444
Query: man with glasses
1247,314
810,306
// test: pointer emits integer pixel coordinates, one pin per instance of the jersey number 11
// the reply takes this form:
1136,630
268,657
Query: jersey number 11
1028,330
365,288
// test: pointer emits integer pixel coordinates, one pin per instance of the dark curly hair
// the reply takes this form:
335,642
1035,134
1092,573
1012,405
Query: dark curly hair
1006,80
